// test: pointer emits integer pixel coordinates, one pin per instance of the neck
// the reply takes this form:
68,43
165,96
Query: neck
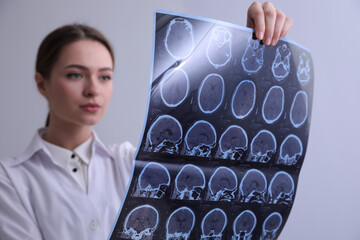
69,136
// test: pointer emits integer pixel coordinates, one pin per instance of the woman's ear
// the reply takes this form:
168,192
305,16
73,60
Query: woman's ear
40,83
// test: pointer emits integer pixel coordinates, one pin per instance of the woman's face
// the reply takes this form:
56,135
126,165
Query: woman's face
80,85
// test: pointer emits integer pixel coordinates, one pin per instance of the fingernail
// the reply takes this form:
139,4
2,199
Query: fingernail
273,42
260,35
267,41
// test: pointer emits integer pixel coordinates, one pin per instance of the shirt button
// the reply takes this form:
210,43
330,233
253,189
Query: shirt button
93,224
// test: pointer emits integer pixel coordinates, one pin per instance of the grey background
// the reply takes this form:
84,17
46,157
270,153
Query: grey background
327,201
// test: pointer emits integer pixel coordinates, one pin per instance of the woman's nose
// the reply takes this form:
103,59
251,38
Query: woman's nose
91,88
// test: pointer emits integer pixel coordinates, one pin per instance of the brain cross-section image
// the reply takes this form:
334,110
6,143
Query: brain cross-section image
179,40
281,64
304,72
174,87
180,224
243,100
223,185
225,134
281,189
213,224
253,58
270,226
218,50
233,143
211,93
200,139
263,147
140,223
154,180
299,109
164,135
244,225
253,187
273,105
291,150
189,183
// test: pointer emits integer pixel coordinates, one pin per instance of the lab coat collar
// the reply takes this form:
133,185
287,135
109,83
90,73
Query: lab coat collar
37,146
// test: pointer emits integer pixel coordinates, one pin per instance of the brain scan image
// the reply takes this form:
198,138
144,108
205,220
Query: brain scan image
200,139
271,226
174,87
189,183
281,189
299,109
303,71
154,179
179,40
223,185
244,225
141,223
253,187
281,65
233,143
225,134
291,150
262,147
164,135
253,58
218,50
213,225
273,105
243,100
180,224
211,93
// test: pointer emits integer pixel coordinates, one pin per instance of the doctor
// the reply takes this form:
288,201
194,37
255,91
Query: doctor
67,184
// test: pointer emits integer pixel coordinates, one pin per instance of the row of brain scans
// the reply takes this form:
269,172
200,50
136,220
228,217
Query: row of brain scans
174,88
180,43
189,184
142,222
166,135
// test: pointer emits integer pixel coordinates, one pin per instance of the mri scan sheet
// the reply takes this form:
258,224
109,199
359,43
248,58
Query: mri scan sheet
225,134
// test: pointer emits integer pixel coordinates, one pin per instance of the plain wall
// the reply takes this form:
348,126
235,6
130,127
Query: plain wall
327,200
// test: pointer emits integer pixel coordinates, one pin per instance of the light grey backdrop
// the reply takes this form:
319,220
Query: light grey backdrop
327,204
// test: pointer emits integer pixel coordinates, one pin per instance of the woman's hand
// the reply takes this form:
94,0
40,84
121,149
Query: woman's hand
270,23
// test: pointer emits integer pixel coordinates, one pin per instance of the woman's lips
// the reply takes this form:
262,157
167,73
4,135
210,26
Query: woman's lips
90,107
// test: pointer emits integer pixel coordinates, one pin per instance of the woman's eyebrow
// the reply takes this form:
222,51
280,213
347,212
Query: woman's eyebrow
105,69
81,67
77,66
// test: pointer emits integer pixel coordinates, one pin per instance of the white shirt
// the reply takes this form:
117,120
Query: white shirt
41,200
75,162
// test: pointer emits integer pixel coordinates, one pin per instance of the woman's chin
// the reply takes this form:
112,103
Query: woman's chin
90,121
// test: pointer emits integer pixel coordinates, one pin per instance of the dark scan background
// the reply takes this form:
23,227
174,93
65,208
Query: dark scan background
188,112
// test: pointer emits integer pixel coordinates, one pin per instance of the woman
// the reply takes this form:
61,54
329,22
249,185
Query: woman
67,184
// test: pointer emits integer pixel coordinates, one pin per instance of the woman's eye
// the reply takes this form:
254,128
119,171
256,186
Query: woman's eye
105,78
74,75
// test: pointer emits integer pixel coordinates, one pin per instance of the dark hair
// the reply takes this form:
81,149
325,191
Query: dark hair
55,41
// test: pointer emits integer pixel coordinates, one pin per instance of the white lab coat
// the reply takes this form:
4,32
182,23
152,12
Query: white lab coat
41,200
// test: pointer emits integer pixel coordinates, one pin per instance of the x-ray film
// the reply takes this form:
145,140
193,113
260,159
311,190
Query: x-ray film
225,134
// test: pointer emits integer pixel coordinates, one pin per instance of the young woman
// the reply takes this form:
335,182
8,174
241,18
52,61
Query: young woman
67,184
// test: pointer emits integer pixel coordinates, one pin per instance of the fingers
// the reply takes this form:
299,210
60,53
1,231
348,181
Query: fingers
279,25
256,19
270,20
286,27
270,24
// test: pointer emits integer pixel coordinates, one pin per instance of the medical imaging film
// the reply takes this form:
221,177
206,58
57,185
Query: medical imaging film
225,134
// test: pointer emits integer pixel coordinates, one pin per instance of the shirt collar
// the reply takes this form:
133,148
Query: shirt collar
63,156
37,146
98,145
